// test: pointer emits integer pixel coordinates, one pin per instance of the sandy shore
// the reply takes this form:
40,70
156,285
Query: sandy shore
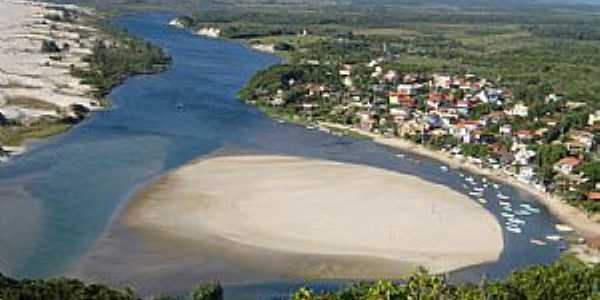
34,84
314,207
587,227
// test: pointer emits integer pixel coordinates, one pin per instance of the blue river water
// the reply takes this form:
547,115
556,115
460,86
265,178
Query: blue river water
57,200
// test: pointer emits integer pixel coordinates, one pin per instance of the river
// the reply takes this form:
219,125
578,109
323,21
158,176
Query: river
58,200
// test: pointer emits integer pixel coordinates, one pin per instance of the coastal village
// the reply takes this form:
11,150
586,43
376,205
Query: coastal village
550,146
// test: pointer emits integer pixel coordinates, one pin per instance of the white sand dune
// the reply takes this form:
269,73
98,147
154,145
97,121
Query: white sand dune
26,72
320,207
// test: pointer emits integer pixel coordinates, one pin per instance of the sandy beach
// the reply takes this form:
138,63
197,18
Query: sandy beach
585,226
26,72
34,84
321,208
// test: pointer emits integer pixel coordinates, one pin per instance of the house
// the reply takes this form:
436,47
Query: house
390,76
580,141
519,110
464,130
526,173
409,89
367,121
506,129
396,98
594,118
522,157
400,114
278,99
346,70
348,82
593,196
440,81
524,136
567,165
553,98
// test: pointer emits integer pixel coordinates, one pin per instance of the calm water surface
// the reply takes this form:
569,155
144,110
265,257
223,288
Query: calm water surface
57,200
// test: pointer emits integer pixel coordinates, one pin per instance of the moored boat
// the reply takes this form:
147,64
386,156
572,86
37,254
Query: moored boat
538,242
507,215
514,229
563,228
554,237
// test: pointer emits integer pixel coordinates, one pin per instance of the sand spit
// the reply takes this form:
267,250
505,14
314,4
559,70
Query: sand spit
319,208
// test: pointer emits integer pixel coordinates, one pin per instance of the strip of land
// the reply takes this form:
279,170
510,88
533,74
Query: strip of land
323,208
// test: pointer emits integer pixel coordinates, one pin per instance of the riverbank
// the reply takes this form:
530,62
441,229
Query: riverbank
42,44
588,228
322,209
57,63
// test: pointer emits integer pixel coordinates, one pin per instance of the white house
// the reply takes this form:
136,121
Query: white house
526,173
506,129
523,157
594,118
442,81
408,89
519,110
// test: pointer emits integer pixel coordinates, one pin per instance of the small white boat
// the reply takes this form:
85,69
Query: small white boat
522,212
470,179
514,229
534,210
311,127
504,203
507,208
326,130
563,228
496,186
502,196
400,155
461,174
476,194
485,186
554,237
484,180
482,201
444,168
507,215
280,121
478,189
538,242
517,221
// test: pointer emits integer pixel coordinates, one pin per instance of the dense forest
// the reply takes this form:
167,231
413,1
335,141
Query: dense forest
565,279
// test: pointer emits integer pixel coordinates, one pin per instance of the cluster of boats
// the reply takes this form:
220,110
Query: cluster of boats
514,215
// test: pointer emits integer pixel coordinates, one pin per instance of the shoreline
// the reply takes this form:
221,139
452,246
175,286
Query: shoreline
48,93
302,198
572,216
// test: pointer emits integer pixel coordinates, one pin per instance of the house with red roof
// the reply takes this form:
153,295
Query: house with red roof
567,165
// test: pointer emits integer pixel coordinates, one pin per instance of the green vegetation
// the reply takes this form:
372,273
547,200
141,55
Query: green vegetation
70,289
563,280
15,135
31,103
566,279
118,57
